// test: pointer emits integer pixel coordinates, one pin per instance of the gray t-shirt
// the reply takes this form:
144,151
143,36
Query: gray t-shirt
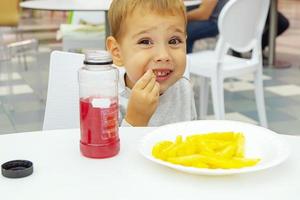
175,105
217,10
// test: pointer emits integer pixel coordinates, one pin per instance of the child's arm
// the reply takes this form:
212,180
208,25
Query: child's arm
204,11
143,100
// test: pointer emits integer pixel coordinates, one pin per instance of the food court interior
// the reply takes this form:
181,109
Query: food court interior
24,78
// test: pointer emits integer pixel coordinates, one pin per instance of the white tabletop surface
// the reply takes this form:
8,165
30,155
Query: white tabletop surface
78,5
61,172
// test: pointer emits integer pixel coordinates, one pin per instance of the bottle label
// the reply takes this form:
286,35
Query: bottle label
101,103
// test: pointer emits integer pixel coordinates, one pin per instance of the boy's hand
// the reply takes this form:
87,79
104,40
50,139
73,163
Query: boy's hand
143,100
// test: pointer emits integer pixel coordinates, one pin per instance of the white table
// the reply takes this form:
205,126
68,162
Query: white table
61,172
80,5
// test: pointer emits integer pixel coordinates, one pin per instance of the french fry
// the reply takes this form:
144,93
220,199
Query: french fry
190,160
178,139
228,152
159,147
212,150
224,136
203,148
170,151
240,150
245,162
223,163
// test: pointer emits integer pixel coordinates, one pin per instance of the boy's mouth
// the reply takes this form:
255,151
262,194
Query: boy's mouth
162,74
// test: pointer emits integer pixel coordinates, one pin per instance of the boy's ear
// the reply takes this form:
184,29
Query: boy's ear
114,49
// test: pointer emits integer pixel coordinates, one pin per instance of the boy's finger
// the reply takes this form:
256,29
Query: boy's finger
156,89
144,80
150,85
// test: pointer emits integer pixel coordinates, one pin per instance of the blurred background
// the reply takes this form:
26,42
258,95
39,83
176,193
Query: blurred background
24,72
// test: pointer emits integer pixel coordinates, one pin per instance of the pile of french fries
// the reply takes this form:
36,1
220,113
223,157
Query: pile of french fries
222,150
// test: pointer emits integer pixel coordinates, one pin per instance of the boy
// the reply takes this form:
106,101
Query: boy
149,40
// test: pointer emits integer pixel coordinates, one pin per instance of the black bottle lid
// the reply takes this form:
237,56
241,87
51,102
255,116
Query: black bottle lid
17,168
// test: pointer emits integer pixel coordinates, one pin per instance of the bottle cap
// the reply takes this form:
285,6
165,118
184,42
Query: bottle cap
17,168
97,57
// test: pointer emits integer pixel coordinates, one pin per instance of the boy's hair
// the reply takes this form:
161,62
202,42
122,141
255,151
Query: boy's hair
120,9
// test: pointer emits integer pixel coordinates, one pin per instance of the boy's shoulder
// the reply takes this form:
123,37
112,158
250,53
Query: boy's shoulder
183,82
182,86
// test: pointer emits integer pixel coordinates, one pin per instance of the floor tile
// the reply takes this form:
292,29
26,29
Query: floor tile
21,118
6,125
293,111
272,115
290,80
285,90
250,77
15,89
274,82
238,86
27,106
236,117
279,102
14,76
296,99
251,95
241,105
28,127
291,127
29,59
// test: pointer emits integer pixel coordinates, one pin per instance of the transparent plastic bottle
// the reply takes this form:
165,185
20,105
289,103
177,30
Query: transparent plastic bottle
99,108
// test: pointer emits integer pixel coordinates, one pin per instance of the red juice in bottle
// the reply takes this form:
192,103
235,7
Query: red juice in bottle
99,127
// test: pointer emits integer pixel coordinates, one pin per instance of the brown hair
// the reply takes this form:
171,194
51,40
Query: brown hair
120,9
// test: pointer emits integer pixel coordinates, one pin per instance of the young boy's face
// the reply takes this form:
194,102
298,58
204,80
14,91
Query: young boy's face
153,41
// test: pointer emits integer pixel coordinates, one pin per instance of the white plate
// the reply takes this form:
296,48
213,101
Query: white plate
260,143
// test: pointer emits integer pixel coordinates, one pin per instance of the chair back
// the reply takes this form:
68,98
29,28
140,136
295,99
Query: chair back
186,73
9,13
62,105
241,24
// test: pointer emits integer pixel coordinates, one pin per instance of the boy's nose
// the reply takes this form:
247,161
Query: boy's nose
162,54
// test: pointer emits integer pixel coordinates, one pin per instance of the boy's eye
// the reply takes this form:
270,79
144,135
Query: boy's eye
175,41
145,42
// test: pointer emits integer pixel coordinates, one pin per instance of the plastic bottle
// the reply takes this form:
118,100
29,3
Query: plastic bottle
98,91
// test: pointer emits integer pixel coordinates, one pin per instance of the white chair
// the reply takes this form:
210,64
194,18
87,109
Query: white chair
13,50
186,73
241,24
62,105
